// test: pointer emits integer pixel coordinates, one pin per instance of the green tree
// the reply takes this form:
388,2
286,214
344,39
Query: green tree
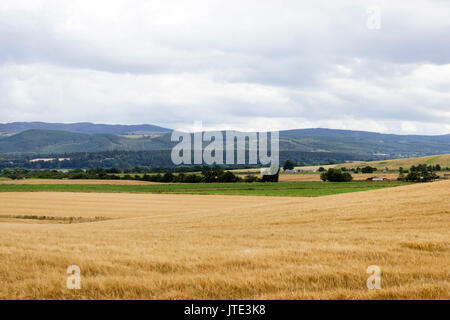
250,178
288,165
336,175
168,177
368,169
420,173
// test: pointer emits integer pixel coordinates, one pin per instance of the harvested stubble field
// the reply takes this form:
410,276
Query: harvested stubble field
166,246
299,177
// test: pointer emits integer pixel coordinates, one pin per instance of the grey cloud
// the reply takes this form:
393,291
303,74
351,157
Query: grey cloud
231,60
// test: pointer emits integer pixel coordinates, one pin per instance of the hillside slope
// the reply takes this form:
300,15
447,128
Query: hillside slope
361,142
297,145
7,129
52,141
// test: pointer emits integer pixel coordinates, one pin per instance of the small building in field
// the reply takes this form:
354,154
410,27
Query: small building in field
48,159
377,179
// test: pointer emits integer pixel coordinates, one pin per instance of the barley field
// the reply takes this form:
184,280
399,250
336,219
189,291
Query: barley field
180,246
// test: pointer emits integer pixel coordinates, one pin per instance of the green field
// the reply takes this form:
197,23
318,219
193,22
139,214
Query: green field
301,189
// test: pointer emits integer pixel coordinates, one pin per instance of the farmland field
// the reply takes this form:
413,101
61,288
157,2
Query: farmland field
302,177
306,189
175,246
443,160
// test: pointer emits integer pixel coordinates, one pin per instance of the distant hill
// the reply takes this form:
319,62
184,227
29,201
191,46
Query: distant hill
7,129
362,142
303,145
55,142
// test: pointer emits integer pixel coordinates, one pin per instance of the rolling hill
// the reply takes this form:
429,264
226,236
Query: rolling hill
362,142
311,146
7,129
54,142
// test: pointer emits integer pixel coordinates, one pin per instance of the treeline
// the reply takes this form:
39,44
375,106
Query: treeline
89,160
207,175
154,159
336,175
422,167
369,169
366,169
309,158
420,173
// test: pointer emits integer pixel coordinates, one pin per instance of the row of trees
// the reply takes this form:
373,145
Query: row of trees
422,167
336,175
366,169
207,175
419,173
152,158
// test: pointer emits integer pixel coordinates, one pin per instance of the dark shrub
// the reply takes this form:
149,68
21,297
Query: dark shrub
288,165
168,177
336,175
250,178
419,173
368,169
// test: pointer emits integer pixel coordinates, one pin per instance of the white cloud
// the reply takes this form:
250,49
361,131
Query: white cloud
247,65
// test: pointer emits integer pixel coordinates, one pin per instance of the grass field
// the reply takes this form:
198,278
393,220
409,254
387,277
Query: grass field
305,189
174,246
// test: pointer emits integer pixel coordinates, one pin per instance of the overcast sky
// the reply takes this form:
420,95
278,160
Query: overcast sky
246,64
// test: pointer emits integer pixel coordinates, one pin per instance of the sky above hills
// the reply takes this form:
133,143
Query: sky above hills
248,65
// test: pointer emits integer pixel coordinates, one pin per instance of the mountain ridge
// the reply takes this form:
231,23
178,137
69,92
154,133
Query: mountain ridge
11,128
7,129
363,144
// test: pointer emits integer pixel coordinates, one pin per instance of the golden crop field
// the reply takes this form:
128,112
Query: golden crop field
165,246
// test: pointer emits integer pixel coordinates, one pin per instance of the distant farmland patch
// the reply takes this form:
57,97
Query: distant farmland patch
443,160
